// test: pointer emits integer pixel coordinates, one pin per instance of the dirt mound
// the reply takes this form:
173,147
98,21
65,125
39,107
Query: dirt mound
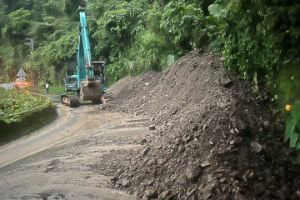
214,138
119,86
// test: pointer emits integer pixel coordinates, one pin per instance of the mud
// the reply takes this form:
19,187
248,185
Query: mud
67,159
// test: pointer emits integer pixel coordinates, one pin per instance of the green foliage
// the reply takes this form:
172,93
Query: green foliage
135,36
131,36
184,22
57,90
287,85
18,24
40,31
258,38
216,10
3,16
292,132
14,104
71,7
117,27
54,35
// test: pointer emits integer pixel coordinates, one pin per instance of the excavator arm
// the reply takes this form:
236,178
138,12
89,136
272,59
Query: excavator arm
84,56
90,88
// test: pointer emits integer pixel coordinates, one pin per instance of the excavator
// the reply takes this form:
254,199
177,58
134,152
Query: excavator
89,76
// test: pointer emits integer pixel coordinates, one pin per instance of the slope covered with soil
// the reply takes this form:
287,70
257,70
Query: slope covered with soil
213,139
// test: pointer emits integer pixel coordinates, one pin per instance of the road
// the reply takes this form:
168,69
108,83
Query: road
62,160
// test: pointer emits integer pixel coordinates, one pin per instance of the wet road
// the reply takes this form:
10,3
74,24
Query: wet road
42,139
59,161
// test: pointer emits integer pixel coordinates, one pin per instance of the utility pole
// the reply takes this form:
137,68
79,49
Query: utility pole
30,43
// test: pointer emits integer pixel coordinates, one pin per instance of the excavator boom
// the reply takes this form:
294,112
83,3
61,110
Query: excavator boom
84,56
88,86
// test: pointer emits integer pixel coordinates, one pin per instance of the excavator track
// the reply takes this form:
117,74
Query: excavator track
70,101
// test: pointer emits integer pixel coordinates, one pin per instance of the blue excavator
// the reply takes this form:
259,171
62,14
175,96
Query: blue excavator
90,78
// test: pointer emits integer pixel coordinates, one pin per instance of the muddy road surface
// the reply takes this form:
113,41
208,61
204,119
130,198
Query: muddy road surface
68,158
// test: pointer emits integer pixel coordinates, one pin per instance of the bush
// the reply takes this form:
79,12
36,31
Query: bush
292,132
14,104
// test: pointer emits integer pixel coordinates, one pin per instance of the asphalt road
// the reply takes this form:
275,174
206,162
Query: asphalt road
59,161
39,140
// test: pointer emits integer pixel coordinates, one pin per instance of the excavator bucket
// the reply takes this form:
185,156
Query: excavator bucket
91,91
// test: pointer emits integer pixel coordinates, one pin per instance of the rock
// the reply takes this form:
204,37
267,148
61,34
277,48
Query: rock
161,161
152,161
125,183
48,169
151,194
239,196
246,175
222,180
256,147
205,164
238,140
171,197
152,127
164,195
236,131
298,193
193,173
279,127
181,149
178,141
192,195
226,82
259,188
143,141
118,184
242,125
267,125
145,151
284,192
234,174
114,179
222,58
150,183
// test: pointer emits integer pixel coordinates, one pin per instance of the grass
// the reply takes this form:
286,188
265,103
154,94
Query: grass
53,90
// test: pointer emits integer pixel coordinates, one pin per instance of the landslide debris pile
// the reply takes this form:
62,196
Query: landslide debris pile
214,138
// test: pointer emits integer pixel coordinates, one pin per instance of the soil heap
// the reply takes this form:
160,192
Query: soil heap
214,138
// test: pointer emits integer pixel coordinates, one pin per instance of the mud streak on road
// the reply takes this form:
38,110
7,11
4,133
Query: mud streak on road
61,160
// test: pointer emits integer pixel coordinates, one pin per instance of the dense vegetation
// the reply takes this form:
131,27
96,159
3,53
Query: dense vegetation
258,38
15,104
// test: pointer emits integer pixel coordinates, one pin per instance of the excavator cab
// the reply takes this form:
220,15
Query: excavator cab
99,71
71,82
